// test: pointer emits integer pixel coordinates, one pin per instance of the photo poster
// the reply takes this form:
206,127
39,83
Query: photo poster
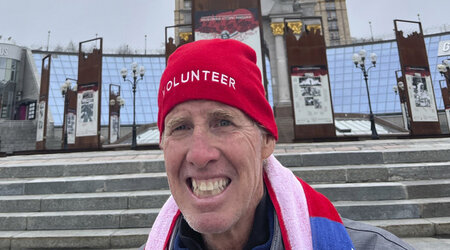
115,128
40,121
447,114
71,126
240,24
311,95
421,95
87,110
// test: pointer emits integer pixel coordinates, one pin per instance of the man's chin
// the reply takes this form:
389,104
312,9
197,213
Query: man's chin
210,224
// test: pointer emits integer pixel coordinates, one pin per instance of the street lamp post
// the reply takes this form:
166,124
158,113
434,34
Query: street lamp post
124,73
65,88
145,46
359,60
48,40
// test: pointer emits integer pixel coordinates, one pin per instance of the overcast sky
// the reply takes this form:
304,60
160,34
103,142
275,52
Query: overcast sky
433,14
122,22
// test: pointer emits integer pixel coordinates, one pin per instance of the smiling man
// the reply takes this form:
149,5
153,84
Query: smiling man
218,134
214,158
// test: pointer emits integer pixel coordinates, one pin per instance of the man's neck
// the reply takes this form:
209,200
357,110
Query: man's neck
253,231
230,240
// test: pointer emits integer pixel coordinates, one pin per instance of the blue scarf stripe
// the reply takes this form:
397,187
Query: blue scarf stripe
328,234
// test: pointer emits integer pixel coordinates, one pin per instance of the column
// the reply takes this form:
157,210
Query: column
281,62
282,107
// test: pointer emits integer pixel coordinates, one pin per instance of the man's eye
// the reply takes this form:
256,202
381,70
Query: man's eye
181,127
224,123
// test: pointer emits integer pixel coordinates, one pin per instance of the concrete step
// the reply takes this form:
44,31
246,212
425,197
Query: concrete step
394,209
363,157
317,174
84,201
136,216
133,238
113,163
427,189
79,239
356,210
385,190
428,243
74,220
374,173
426,227
74,168
84,184
158,181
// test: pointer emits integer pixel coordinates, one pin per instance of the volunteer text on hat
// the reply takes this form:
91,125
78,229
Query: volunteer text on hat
200,75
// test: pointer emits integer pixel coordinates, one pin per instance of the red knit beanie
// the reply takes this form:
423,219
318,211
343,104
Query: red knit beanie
217,70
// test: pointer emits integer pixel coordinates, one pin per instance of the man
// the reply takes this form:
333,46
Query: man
218,134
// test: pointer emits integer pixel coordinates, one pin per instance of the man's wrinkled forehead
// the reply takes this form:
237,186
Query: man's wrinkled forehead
182,112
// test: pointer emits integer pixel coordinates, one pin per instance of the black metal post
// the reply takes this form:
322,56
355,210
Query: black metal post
134,83
66,105
371,116
133,141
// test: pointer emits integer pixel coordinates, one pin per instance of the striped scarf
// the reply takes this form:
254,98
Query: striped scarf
307,219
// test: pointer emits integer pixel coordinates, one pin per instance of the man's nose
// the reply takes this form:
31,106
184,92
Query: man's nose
202,149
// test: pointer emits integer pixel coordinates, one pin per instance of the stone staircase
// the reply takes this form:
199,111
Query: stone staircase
389,190
109,200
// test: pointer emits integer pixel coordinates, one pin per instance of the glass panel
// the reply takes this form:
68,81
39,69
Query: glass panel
2,76
386,45
339,50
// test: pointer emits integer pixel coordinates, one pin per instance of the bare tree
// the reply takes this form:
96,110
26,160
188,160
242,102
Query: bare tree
71,47
58,48
124,49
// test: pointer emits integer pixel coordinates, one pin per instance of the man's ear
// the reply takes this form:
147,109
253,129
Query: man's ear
161,141
268,146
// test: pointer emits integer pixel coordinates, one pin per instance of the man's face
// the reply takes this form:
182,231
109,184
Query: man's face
214,155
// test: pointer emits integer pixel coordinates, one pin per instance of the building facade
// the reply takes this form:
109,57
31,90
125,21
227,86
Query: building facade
335,21
19,90
333,13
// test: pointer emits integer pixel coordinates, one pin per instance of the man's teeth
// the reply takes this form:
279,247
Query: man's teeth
209,187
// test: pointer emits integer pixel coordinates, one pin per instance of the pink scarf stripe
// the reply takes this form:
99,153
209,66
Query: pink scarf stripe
163,226
291,199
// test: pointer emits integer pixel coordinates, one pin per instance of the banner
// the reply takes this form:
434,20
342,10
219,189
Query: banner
40,121
421,95
239,24
115,128
311,95
71,128
447,114
87,110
